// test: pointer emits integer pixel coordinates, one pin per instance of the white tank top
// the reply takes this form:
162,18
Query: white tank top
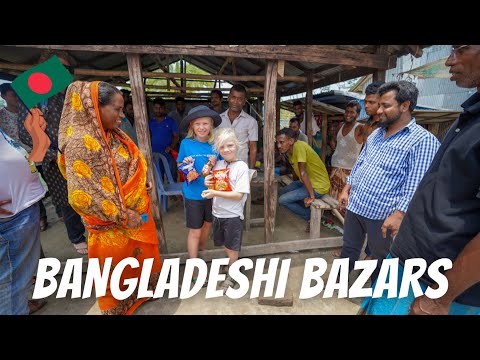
347,149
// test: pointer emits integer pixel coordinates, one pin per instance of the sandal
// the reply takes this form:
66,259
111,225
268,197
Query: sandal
43,224
35,305
229,282
194,281
82,248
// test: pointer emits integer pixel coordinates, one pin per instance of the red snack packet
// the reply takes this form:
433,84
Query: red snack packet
222,182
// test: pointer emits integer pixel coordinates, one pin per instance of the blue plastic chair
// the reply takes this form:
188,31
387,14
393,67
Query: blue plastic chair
165,190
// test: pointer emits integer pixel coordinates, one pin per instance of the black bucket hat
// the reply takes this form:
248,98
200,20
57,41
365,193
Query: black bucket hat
199,112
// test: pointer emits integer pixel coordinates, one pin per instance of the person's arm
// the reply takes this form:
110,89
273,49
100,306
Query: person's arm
3,211
359,133
302,169
229,195
252,157
464,273
418,163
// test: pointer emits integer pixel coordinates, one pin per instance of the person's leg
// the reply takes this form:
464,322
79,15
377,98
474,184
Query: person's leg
293,200
354,231
194,212
43,216
290,187
378,246
233,233
75,229
19,255
173,165
207,223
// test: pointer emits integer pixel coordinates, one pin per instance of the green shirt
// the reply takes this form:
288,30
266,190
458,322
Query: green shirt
316,171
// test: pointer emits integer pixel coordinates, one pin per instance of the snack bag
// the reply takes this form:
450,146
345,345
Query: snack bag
189,171
208,166
222,182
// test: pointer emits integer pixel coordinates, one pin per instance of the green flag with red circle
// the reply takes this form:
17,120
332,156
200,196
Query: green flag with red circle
42,82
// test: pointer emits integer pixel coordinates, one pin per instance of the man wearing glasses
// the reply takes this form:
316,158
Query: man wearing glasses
443,219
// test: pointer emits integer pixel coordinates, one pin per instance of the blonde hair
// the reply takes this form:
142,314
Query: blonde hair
222,136
191,133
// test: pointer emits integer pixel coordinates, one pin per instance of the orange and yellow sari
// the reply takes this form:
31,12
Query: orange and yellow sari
106,174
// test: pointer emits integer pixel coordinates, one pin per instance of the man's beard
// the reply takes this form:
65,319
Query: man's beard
389,122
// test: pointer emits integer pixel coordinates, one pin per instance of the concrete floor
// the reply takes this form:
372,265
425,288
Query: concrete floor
56,244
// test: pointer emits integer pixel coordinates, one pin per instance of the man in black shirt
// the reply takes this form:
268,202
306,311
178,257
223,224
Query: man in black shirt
443,218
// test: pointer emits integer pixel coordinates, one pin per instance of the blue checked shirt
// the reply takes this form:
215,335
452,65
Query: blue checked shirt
388,171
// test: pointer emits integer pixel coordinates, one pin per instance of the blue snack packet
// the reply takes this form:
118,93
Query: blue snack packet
144,217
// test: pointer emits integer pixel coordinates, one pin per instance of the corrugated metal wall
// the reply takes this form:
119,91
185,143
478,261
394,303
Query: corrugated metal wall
433,93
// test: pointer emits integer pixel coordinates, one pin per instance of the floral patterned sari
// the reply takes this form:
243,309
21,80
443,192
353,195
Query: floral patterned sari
106,174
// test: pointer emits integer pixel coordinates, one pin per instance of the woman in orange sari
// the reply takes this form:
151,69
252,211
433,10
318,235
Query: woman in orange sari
106,177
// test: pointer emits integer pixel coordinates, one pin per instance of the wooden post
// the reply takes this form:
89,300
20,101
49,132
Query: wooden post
277,114
379,74
270,188
309,108
141,124
324,135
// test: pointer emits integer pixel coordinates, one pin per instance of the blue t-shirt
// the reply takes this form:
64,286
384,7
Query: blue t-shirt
199,151
162,133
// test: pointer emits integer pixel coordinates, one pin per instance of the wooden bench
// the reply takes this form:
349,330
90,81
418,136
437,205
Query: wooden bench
317,208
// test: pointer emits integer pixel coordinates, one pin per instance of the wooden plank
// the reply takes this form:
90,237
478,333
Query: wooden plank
255,250
302,53
270,187
268,249
281,68
143,135
330,200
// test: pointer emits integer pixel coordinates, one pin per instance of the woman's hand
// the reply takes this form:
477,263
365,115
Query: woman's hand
188,159
149,186
134,219
3,211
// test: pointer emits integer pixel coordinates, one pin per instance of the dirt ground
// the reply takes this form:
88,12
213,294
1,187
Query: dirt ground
288,227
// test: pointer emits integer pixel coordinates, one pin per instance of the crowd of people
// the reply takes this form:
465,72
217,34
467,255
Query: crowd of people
398,188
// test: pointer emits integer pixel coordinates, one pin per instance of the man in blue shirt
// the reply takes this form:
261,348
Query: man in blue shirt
443,220
386,174
164,133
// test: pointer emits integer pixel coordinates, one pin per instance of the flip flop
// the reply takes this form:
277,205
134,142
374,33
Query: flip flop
35,305
82,248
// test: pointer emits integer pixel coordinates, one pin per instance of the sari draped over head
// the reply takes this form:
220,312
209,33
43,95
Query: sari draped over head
106,175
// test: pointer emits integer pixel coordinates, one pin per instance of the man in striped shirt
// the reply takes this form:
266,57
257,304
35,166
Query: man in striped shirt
386,174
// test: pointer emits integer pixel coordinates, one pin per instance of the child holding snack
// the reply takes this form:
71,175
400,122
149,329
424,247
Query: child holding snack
231,184
196,152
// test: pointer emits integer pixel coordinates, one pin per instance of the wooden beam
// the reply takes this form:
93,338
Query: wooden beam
307,53
379,75
415,50
331,79
160,75
143,135
249,90
252,250
270,186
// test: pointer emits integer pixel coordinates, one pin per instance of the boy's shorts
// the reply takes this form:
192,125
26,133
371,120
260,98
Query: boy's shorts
228,232
198,211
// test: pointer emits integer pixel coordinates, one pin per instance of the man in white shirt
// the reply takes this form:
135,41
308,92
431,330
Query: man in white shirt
246,127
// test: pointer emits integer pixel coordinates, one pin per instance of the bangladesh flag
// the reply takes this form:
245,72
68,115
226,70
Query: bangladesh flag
42,82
